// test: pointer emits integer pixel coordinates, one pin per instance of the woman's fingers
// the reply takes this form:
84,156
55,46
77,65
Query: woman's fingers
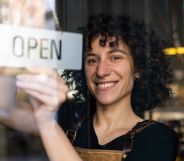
48,87
37,87
43,70
34,81
50,100
44,93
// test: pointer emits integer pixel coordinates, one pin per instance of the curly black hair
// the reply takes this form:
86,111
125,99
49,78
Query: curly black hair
151,89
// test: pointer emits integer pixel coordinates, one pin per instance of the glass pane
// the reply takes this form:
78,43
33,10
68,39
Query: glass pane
34,20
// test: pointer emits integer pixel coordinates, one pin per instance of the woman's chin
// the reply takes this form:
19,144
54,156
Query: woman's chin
105,101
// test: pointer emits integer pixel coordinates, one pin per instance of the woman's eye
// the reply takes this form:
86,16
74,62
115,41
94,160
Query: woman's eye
91,61
116,58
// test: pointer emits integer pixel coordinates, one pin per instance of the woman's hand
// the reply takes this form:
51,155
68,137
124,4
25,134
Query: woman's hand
47,90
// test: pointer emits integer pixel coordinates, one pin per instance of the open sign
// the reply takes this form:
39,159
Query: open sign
43,48
23,47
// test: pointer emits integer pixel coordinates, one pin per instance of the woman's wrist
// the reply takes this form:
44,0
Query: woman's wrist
46,125
44,118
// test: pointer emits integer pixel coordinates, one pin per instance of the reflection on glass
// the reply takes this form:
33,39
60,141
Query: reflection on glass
30,13
22,13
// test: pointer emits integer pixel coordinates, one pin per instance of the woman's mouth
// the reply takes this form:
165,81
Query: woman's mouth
106,85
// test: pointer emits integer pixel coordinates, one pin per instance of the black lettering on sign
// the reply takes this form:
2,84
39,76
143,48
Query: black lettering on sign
31,45
55,50
43,47
18,46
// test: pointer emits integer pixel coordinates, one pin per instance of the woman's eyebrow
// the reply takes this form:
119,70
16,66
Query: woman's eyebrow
90,54
117,50
109,52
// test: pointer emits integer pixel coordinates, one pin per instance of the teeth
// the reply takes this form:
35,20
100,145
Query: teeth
105,85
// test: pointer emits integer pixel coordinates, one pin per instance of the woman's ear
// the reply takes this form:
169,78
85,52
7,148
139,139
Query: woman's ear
137,76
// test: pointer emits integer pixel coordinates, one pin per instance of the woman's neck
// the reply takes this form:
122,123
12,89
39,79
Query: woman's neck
110,122
116,115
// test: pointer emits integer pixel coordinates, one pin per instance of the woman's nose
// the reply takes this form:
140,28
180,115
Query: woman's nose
103,69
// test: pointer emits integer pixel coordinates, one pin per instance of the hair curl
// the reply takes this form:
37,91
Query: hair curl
146,48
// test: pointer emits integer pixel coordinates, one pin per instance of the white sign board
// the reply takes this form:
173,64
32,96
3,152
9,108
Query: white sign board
24,47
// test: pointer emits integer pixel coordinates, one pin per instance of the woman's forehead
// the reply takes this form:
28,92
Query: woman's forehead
111,42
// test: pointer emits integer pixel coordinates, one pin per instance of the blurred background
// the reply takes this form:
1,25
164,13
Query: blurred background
165,16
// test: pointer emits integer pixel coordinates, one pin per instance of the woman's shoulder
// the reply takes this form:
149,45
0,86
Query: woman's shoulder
161,128
155,142
157,131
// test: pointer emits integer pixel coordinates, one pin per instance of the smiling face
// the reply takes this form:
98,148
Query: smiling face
109,72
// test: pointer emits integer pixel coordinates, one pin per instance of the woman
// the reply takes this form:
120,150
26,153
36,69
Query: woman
125,76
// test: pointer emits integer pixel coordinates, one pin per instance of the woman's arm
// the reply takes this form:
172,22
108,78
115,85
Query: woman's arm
57,145
19,117
47,91
14,113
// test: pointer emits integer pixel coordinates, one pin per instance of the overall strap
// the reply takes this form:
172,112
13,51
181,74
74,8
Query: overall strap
72,133
131,134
